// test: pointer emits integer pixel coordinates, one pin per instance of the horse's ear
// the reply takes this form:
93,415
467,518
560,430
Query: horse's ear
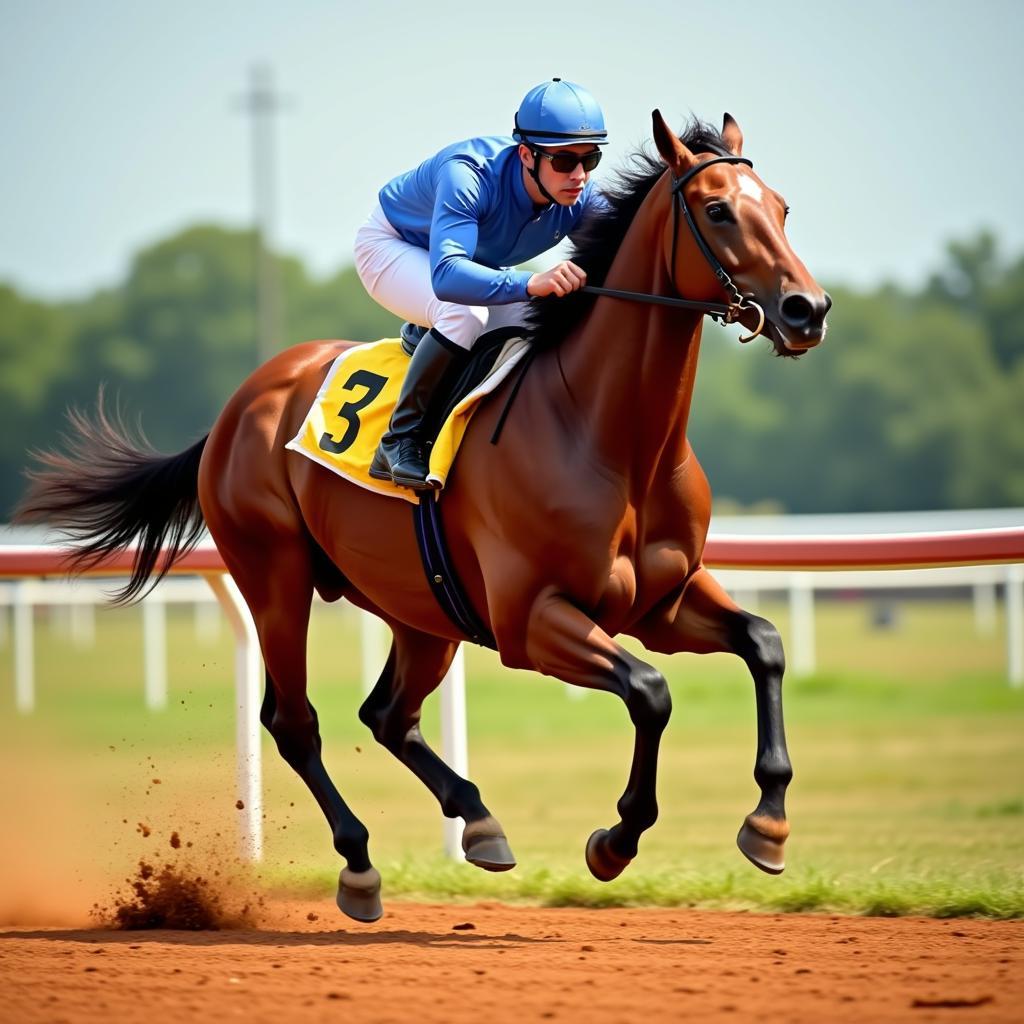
732,135
672,151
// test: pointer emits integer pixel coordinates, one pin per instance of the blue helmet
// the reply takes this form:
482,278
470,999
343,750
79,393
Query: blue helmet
559,113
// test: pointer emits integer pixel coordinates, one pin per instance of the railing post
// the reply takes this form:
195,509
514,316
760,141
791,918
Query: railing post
83,624
453,743
1015,624
249,766
984,595
24,648
154,644
801,659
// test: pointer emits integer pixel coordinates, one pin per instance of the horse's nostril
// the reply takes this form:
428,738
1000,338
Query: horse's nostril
828,302
796,309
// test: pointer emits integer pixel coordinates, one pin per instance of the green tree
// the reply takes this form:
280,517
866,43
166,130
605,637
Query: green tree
975,279
187,334
35,347
337,307
903,406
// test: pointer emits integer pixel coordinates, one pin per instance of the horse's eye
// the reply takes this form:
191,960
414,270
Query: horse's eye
718,213
785,212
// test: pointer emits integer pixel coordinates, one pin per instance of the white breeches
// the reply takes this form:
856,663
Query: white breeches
397,275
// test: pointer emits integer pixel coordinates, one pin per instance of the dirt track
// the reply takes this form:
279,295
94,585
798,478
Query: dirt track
500,964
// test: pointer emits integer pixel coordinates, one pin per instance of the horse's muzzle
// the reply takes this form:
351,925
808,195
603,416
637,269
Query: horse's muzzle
802,317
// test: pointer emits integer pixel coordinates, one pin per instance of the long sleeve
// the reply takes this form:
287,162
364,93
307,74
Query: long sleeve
454,233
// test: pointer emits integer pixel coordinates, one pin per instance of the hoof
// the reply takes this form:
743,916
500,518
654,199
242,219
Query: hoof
766,852
485,845
604,864
359,895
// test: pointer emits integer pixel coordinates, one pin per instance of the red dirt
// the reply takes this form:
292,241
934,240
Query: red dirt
172,898
454,964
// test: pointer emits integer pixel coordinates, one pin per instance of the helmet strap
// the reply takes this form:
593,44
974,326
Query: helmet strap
535,174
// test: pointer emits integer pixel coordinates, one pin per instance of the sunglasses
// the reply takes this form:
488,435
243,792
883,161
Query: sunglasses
565,163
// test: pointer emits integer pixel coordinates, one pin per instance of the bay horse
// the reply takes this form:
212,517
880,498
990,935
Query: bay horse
587,520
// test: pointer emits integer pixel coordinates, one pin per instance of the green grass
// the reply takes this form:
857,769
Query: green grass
907,745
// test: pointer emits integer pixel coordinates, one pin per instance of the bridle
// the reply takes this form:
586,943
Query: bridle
725,312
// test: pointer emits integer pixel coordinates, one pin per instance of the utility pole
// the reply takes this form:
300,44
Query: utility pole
261,102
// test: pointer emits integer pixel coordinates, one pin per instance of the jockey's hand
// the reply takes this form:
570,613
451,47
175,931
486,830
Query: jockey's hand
560,280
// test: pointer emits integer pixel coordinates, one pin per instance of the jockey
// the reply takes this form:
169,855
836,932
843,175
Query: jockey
440,246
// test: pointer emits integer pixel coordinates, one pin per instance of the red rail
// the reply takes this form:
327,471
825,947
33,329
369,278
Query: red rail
822,552
868,551
53,560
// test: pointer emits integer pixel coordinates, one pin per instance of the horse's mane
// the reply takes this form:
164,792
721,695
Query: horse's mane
598,239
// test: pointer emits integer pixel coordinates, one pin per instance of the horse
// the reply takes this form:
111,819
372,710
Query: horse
587,520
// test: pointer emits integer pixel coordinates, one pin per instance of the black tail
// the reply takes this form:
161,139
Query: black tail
108,489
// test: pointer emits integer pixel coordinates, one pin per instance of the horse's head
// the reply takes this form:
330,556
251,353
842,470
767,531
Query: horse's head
736,220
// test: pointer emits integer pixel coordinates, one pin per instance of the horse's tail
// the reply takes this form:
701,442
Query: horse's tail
107,489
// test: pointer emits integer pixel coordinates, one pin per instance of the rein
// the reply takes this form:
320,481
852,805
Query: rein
725,312
715,309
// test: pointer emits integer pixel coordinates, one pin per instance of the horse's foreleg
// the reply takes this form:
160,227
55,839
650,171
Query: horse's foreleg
563,642
279,594
415,667
703,619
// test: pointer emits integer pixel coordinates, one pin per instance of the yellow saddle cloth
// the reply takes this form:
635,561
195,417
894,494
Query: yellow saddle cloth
353,408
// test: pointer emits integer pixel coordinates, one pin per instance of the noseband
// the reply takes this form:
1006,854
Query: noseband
726,313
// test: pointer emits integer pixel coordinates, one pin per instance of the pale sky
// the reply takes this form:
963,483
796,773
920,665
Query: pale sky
890,127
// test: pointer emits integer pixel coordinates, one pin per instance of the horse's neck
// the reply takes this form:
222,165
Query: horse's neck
631,367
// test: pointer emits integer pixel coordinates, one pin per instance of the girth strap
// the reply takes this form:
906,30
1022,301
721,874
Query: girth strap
441,573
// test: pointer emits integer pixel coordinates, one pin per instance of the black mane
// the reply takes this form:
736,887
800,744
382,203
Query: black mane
597,241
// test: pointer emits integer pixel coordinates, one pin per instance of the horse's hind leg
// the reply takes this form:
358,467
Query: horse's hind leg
415,667
279,591
703,619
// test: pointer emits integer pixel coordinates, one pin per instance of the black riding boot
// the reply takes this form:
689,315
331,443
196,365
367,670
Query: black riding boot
400,456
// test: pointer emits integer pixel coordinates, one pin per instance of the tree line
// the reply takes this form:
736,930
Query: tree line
914,401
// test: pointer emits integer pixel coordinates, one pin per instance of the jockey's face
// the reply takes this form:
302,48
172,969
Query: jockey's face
566,188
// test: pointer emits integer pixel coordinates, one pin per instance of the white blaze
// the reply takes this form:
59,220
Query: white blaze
750,187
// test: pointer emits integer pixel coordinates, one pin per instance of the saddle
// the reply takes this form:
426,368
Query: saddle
469,376
353,406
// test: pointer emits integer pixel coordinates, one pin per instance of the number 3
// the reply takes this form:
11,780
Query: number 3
374,384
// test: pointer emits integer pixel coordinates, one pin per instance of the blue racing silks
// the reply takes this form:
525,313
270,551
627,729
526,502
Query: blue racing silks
468,205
